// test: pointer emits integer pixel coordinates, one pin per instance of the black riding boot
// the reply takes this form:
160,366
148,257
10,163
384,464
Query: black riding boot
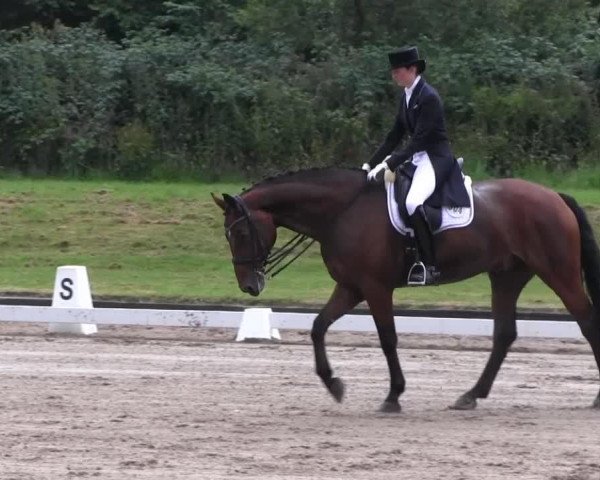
424,271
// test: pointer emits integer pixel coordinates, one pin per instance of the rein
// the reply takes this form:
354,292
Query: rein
279,255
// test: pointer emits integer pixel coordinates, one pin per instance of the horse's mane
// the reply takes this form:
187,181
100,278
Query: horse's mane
304,175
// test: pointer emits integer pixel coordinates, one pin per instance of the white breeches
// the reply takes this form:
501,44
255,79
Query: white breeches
423,184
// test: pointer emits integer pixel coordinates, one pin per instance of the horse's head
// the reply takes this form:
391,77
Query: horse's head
251,235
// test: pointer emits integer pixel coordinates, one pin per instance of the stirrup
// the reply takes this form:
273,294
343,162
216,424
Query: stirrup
420,275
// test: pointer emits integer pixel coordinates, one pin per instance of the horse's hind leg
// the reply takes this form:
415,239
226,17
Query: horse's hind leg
342,299
570,290
506,288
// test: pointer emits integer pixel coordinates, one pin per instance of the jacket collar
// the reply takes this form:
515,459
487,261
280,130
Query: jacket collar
416,91
410,90
417,88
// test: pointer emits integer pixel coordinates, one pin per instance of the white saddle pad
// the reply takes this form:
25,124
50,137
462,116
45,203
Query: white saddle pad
451,217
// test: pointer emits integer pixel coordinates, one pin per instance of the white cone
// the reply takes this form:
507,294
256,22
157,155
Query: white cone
256,325
72,290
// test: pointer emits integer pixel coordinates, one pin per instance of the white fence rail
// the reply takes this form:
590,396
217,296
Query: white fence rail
280,320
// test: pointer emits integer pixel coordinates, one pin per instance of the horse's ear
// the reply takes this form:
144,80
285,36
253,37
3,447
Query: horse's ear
219,201
230,202
226,202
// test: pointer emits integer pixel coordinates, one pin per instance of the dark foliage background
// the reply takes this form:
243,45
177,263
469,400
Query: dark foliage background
206,88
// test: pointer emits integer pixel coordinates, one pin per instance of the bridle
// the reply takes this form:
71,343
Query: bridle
262,260
260,253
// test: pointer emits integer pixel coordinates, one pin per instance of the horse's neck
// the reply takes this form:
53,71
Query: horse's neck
307,210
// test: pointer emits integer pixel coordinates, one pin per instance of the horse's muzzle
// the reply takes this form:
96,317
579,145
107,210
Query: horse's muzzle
254,285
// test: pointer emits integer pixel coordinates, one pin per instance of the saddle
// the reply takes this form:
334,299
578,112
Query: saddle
439,217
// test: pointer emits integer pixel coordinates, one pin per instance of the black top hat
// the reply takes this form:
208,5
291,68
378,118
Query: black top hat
406,57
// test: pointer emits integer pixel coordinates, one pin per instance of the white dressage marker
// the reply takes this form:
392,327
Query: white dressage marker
256,325
72,290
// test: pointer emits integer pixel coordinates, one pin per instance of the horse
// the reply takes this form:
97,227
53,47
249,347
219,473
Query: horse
520,229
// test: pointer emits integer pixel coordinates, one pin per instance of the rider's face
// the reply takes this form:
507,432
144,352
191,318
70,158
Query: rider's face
404,76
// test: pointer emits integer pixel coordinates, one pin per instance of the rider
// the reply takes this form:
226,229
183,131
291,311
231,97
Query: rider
420,117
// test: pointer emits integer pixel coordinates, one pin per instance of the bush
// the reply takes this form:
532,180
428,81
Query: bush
135,151
202,89
530,127
61,89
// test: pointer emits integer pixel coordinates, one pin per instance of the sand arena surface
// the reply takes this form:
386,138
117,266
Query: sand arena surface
158,403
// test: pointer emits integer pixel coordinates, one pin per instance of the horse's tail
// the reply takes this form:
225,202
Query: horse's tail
590,254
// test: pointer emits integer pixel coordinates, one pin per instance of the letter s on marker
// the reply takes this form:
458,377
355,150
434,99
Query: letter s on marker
67,291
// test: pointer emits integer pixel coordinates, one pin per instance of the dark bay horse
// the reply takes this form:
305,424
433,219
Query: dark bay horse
520,229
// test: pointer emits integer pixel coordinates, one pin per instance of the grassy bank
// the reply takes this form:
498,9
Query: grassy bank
164,241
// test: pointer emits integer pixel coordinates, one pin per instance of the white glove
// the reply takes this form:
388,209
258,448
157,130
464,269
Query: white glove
372,175
366,167
389,176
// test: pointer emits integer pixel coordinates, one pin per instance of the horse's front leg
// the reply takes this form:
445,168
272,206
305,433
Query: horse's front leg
342,299
381,305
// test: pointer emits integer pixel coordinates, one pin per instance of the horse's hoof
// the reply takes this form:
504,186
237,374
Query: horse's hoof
596,404
390,407
464,402
336,388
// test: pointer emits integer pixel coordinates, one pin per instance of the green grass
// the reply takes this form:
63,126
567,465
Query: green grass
164,241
